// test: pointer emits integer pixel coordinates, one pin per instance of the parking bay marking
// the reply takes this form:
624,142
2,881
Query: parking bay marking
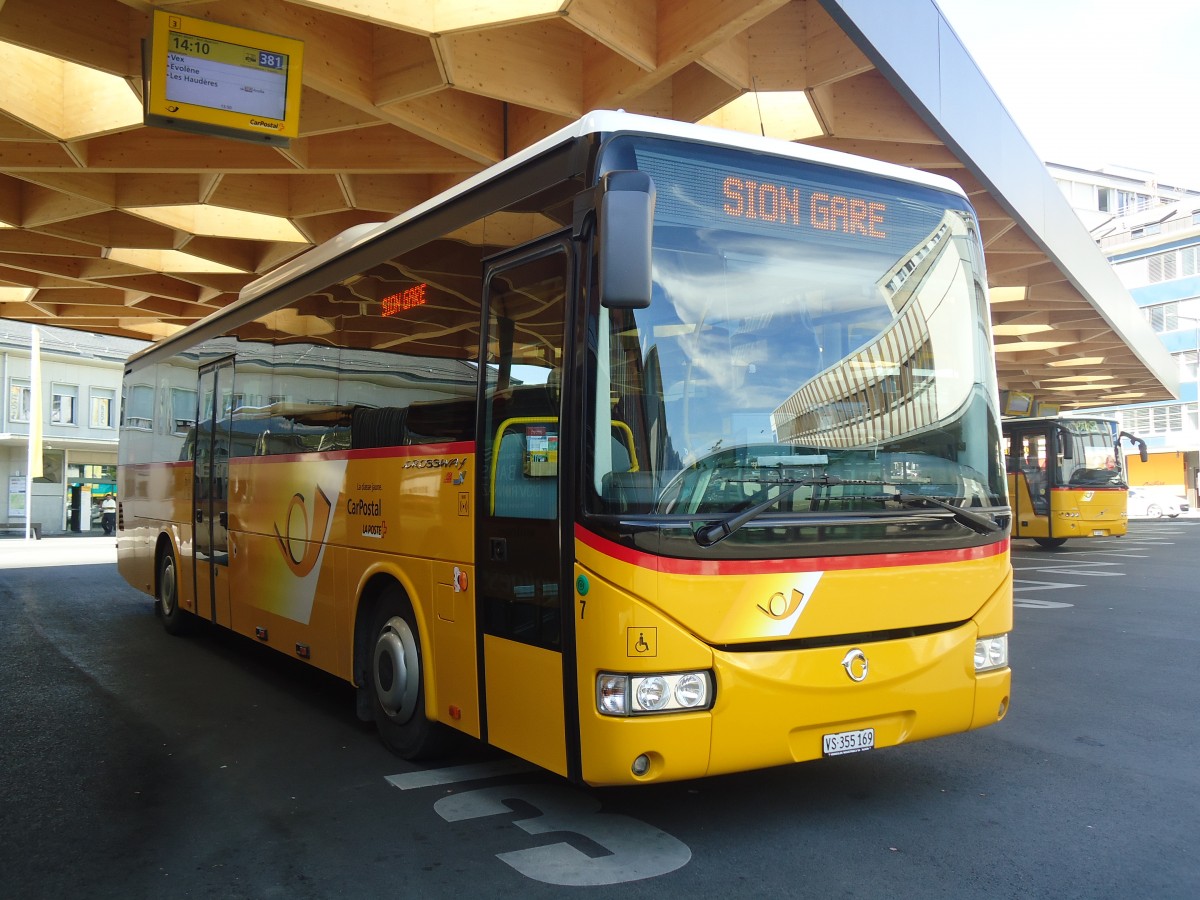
636,849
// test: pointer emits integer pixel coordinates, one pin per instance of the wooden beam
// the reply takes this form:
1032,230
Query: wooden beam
685,31
730,62
778,50
18,156
830,54
159,150
115,229
696,92
322,114
156,283
94,33
528,126
389,194
311,194
31,242
159,189
41,206
627,27
384,148
536,65
267,194
405,66
468,124
867,107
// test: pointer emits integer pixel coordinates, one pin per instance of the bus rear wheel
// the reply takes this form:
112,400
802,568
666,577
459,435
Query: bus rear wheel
175,619
1049,543
395,678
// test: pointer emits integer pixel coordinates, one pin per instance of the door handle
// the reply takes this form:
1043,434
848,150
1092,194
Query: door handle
199,517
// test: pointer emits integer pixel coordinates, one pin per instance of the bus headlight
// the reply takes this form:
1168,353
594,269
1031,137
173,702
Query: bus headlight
991,653
637,695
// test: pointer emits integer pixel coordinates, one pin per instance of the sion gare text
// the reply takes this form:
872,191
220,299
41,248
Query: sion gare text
782,203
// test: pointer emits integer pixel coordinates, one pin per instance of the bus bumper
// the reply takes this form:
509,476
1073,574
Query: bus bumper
772,708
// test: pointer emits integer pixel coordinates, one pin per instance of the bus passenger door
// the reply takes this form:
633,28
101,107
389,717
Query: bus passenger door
210,546
519,592
1032,467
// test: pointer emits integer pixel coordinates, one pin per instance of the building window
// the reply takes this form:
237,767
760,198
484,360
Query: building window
1163,266
64,398
102,408
1187,364
183,410
20,401
139,407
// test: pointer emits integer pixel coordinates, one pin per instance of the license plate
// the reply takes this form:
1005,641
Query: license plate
844,742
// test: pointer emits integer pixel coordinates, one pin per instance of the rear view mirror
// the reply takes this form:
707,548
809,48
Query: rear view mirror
626,226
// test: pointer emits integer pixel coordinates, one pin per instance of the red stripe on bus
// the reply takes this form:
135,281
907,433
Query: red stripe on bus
459,448
673,566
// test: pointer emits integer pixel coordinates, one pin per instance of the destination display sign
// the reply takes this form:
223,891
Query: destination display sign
795,198
210,78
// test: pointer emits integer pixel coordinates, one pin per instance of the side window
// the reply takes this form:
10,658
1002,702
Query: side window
526,310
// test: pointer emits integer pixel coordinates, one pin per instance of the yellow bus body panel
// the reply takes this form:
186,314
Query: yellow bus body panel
773,706
306,535
528,723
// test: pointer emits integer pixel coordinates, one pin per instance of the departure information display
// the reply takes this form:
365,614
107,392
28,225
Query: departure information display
209,78
227,76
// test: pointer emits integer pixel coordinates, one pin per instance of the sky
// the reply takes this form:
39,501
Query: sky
1094,83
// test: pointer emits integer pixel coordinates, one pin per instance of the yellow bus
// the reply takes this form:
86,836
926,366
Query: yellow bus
1066,477
653,452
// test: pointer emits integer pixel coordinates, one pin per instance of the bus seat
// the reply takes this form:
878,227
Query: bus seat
514,493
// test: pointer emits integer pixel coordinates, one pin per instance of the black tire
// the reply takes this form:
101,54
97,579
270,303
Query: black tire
394,675
1049,543
175,619
1154,511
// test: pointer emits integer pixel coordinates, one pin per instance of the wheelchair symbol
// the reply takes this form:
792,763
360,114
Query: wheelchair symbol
642,642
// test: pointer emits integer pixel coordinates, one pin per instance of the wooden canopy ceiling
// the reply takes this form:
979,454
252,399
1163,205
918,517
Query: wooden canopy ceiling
111,226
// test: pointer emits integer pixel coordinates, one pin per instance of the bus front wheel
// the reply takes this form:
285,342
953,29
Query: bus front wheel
396,681
1049,543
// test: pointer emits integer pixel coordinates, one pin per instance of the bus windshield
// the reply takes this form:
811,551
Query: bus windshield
815,335
1096,458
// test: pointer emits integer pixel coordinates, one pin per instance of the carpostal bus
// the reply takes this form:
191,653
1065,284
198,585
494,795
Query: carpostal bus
650,453
1066,477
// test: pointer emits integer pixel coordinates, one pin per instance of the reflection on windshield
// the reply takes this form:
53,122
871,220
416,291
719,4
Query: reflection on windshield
764,360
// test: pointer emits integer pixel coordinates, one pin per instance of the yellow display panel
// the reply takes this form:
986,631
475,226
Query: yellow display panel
209,78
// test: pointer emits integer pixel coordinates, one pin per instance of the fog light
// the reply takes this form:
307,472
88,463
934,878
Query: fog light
641,765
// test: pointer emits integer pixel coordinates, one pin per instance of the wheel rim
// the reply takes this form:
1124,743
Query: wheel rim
166,586
1154,511
396,670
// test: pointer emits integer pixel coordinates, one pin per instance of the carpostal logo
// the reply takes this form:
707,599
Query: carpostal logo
259,123
361,507
372,509
299,542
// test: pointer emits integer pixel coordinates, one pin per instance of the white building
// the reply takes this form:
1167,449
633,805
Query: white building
80,412
1150,233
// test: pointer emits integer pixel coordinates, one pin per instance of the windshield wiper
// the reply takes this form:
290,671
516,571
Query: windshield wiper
977,522
715,532
708,535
